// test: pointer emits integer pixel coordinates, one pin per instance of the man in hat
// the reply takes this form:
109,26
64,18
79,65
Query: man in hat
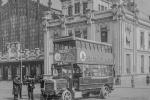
30,89
20,88
16,88
147,79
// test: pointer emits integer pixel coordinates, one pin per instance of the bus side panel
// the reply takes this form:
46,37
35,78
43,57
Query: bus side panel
88,56
89,83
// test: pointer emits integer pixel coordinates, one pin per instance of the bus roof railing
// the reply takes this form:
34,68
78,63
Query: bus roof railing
66,38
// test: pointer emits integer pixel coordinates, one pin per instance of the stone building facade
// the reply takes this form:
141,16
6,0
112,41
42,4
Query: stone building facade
21,38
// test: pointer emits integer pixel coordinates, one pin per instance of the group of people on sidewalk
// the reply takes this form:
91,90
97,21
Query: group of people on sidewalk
17,88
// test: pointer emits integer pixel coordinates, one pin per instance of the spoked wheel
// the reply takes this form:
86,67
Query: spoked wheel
66,95
104,92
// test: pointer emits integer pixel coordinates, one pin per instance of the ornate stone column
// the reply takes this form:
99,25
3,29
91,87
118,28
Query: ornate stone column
48,48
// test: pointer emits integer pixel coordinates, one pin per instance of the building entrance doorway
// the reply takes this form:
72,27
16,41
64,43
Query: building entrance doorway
33,71
14,71
5,73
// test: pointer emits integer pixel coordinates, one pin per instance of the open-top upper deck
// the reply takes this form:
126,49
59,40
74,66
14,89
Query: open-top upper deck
77,50
68,38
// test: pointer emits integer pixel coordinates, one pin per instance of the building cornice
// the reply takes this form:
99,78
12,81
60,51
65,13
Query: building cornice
26,55
123,14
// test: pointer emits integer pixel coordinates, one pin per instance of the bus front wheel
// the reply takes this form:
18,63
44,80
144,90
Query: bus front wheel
104,92
66,95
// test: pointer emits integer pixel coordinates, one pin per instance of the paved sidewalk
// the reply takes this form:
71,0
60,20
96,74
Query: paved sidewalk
138,87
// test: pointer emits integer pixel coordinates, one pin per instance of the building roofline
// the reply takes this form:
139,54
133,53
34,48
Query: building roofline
2,8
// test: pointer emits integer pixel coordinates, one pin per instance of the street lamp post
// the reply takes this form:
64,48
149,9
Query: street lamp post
21,64
19,54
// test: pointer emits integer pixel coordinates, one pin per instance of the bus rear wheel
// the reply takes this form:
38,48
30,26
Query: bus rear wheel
66,95
104,92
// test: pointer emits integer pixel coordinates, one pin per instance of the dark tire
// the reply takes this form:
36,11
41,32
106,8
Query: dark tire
104,92
66,95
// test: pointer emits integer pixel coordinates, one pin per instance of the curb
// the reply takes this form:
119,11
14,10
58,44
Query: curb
140,87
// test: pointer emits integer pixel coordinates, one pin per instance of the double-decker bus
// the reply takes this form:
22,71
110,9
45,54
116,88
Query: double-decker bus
81,68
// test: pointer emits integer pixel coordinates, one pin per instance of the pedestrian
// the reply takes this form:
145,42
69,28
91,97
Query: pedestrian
132,81
16,88
20,88
147,79
30,90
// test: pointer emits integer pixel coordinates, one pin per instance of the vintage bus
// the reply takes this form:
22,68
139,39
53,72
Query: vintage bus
81,68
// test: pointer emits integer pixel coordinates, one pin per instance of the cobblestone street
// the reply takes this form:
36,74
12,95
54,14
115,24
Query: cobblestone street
117,94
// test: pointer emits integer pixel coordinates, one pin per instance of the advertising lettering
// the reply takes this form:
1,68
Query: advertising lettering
94,57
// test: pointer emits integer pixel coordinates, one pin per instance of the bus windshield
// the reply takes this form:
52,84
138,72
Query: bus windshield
62,72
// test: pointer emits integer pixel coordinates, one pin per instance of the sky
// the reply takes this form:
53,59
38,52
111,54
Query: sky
143,5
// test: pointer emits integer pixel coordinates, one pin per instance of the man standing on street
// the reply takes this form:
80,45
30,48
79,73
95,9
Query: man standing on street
147,79
132,81
20,89
16,88
30,89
